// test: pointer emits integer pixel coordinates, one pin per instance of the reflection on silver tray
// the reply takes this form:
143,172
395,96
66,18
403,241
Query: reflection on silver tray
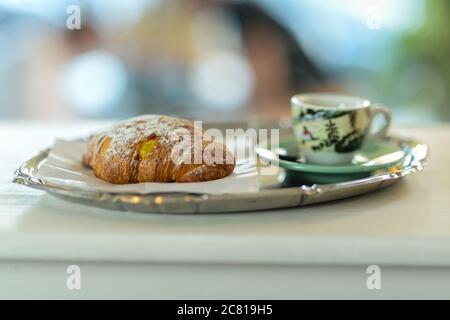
271,196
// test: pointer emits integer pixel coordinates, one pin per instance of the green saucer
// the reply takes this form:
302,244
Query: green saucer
376,155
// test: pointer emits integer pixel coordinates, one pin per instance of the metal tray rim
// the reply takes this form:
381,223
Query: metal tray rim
203,203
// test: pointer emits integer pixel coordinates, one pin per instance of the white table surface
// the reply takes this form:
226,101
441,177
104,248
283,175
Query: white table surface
405,226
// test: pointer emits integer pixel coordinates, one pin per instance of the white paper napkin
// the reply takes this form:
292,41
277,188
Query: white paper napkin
64,168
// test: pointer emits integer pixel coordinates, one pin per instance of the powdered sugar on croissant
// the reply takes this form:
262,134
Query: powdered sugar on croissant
155,148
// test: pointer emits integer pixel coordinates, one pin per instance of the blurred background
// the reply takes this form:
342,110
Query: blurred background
226,60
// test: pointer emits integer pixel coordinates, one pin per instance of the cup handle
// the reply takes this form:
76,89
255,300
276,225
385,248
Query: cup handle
375,110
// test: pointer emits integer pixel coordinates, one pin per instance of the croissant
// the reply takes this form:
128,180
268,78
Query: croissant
150,148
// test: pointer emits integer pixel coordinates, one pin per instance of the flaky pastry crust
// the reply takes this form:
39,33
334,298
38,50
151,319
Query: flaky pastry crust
143,149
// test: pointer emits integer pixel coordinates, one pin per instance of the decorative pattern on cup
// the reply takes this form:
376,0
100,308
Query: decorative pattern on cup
340,131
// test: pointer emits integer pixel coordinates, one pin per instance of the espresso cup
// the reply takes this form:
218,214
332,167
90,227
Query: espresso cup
330,128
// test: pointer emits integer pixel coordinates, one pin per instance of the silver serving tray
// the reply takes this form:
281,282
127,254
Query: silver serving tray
271,195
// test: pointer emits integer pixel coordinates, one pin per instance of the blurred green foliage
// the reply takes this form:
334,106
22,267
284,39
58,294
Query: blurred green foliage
422,67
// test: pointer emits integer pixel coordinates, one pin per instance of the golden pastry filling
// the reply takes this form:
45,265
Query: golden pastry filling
105,144
146,148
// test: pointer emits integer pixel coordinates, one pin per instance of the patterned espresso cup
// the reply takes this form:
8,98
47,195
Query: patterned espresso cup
330,127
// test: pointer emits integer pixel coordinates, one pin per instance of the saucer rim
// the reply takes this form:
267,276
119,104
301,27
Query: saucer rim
334,169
